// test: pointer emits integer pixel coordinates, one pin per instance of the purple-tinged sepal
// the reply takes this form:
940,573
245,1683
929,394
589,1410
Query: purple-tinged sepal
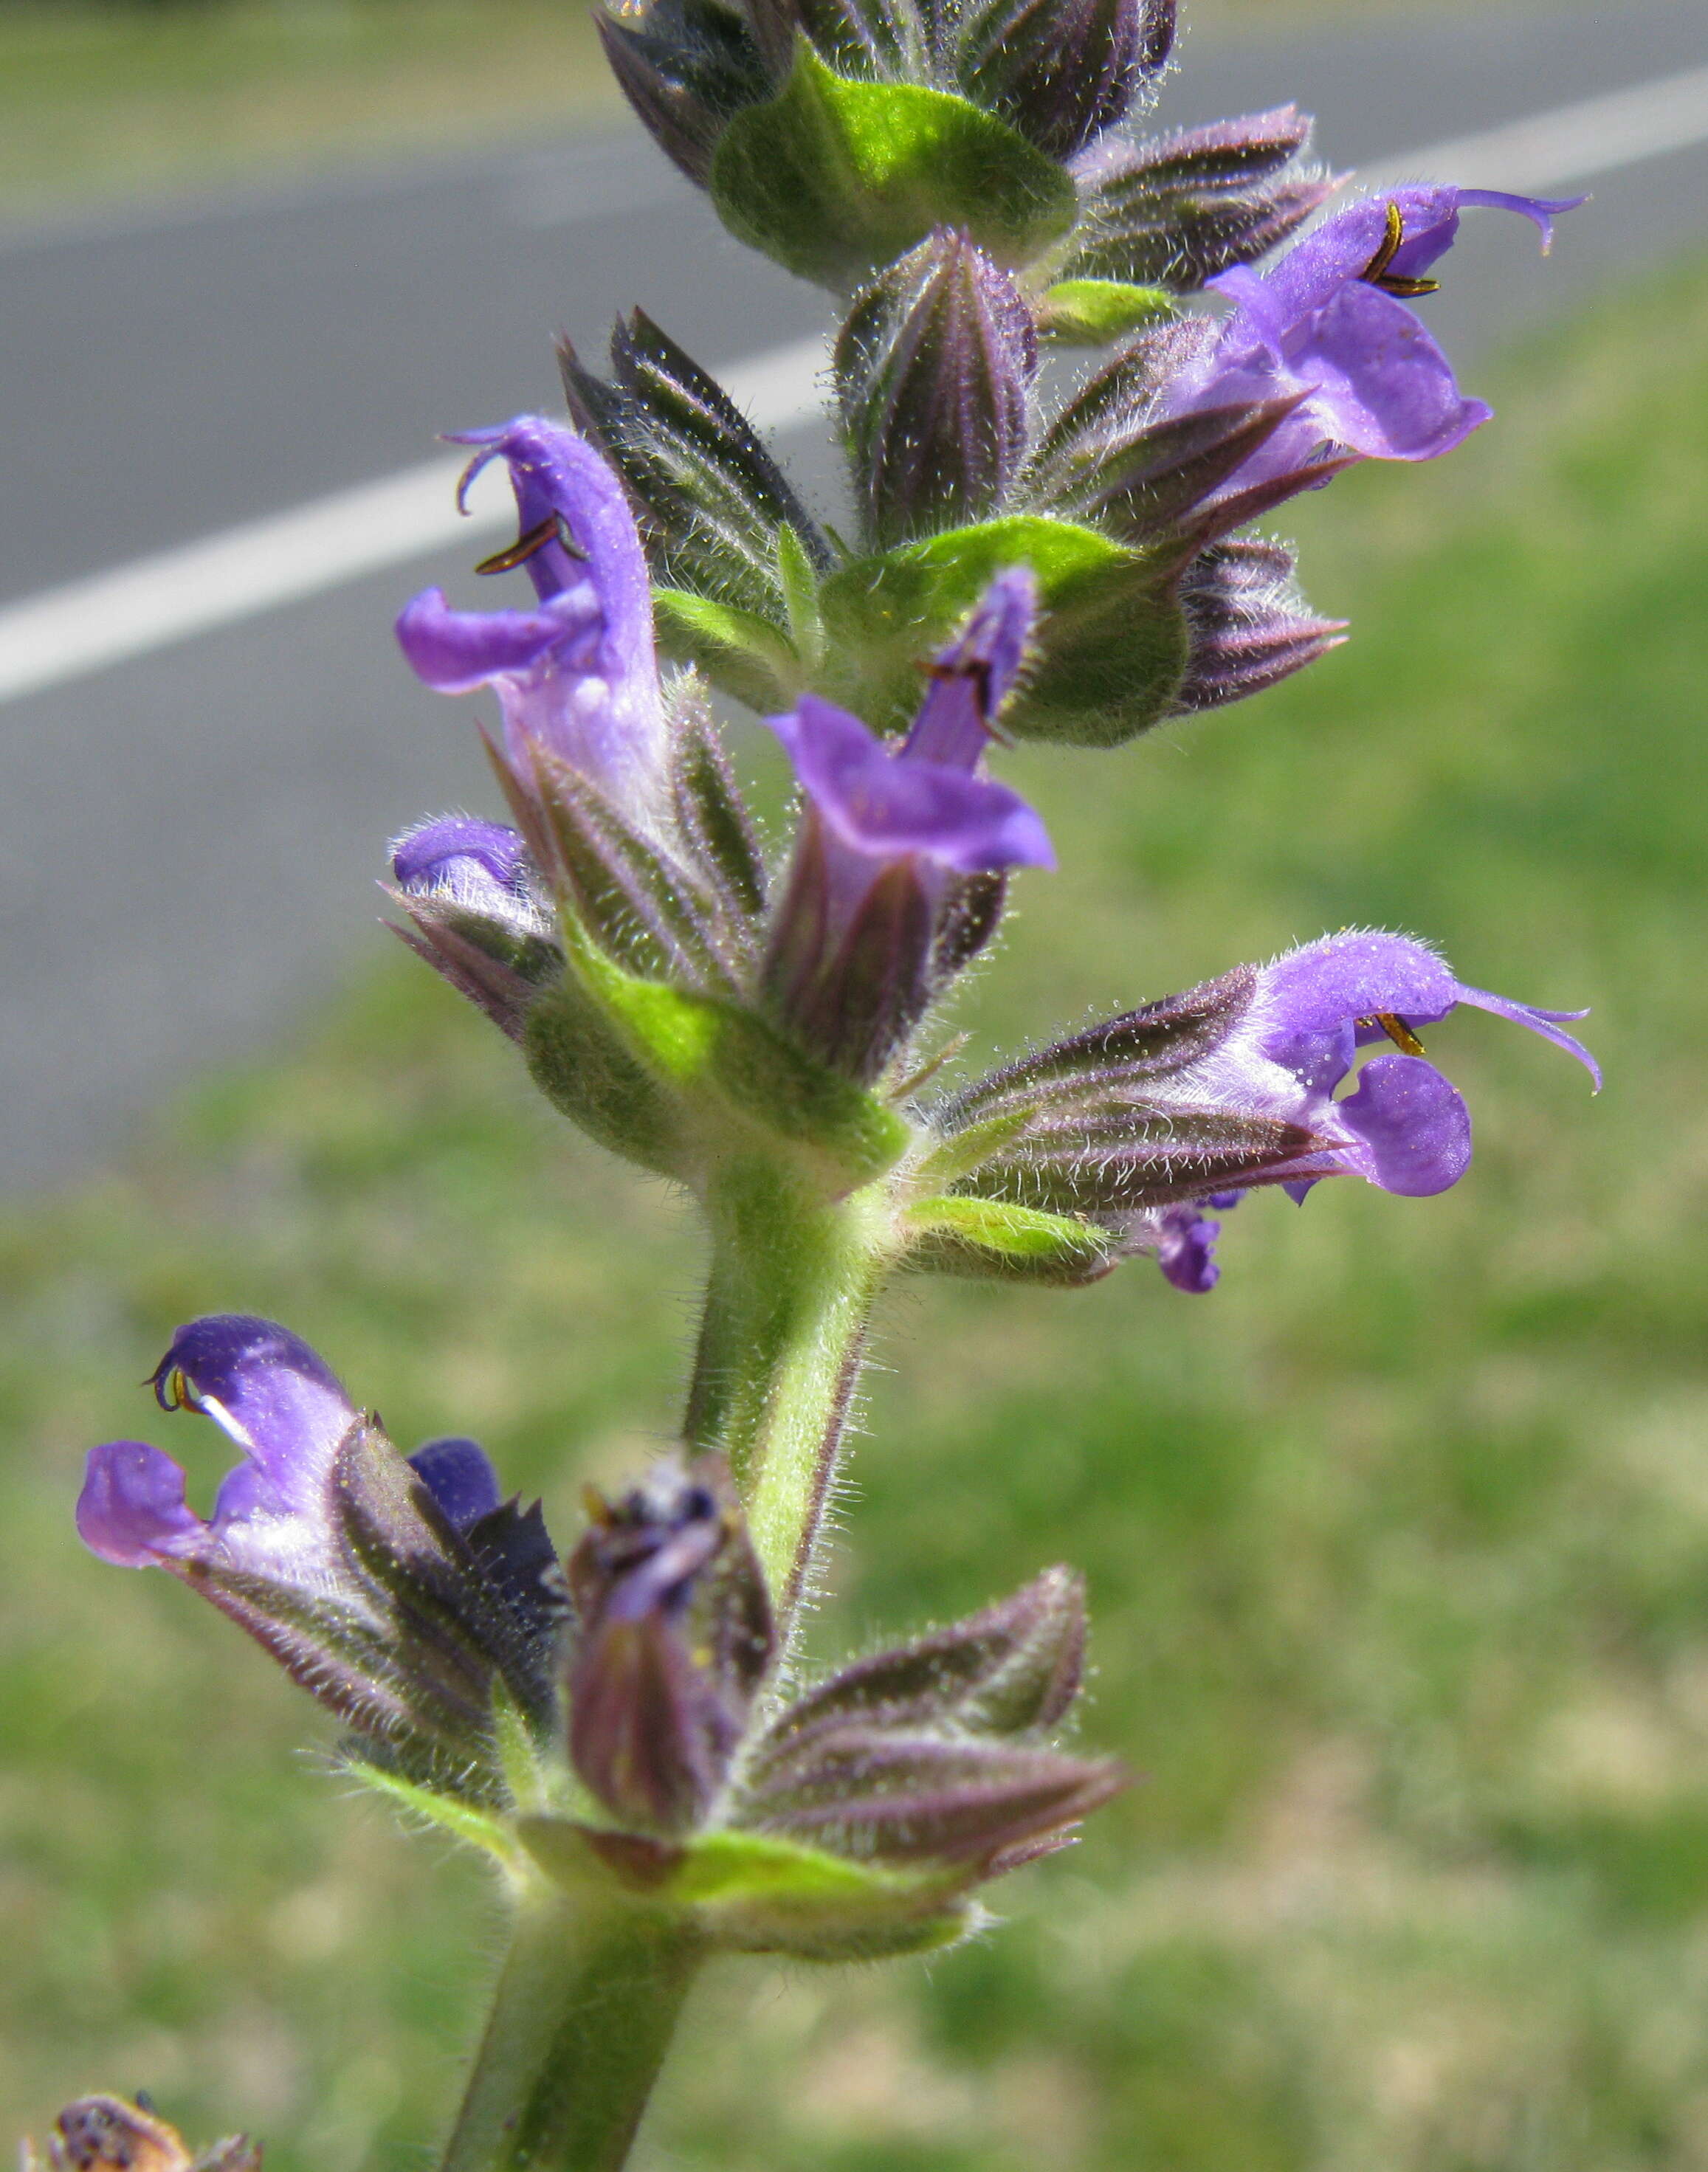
1062,71
1176,210
1249,625
673,1636
407,1598
479,913
715,503
1127,455
1015,1667
894,882
936,1755
934,370
685,66
904,1801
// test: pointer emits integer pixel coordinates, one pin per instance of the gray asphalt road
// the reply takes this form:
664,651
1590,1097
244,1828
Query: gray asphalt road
187,842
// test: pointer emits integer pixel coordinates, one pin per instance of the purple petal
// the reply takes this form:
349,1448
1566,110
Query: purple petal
1378,383
1413,1124
1315,269
885,805
1185,1249
131,1510
1308,1001
1545,1023
280,1402
579,675
1540,211
459,1474
456,650
973,676
481,865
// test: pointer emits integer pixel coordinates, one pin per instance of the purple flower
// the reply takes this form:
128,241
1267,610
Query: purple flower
1403,1126
479,866
459,1474
899,846
924,801
1330,324
577,677
284,1409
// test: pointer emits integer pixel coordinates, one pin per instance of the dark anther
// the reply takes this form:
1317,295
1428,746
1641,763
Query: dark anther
553,528
1397,1031
1394,282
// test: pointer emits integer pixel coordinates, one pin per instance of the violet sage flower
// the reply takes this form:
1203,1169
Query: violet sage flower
1329,324
482,867
1148,1126
1403,1127
577,676
398,1592
284,1407
897,872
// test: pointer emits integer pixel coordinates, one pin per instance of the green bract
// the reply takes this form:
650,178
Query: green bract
835,179
1113,639
737,650
1092,312
992,1239
755,1893
713,1077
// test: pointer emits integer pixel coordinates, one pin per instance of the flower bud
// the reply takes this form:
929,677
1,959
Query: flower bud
934,370
685,66
479,914
675,1634
1249,628
1062,71
713,498
1176,211
909,1758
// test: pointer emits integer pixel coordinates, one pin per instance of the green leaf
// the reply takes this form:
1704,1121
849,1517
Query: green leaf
835,179
1092,312
1111,645
745,1076
993,1238
746,655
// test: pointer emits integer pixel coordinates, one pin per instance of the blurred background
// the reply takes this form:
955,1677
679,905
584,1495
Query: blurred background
1397,1543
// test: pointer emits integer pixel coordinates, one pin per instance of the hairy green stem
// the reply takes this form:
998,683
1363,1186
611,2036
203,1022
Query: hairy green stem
792,1283
590,1990
583,2014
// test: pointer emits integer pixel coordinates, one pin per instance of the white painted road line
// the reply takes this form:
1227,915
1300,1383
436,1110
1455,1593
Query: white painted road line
153,602
1572,143
49,639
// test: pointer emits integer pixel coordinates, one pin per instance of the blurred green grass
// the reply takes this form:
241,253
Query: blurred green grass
98,97
1398,1544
